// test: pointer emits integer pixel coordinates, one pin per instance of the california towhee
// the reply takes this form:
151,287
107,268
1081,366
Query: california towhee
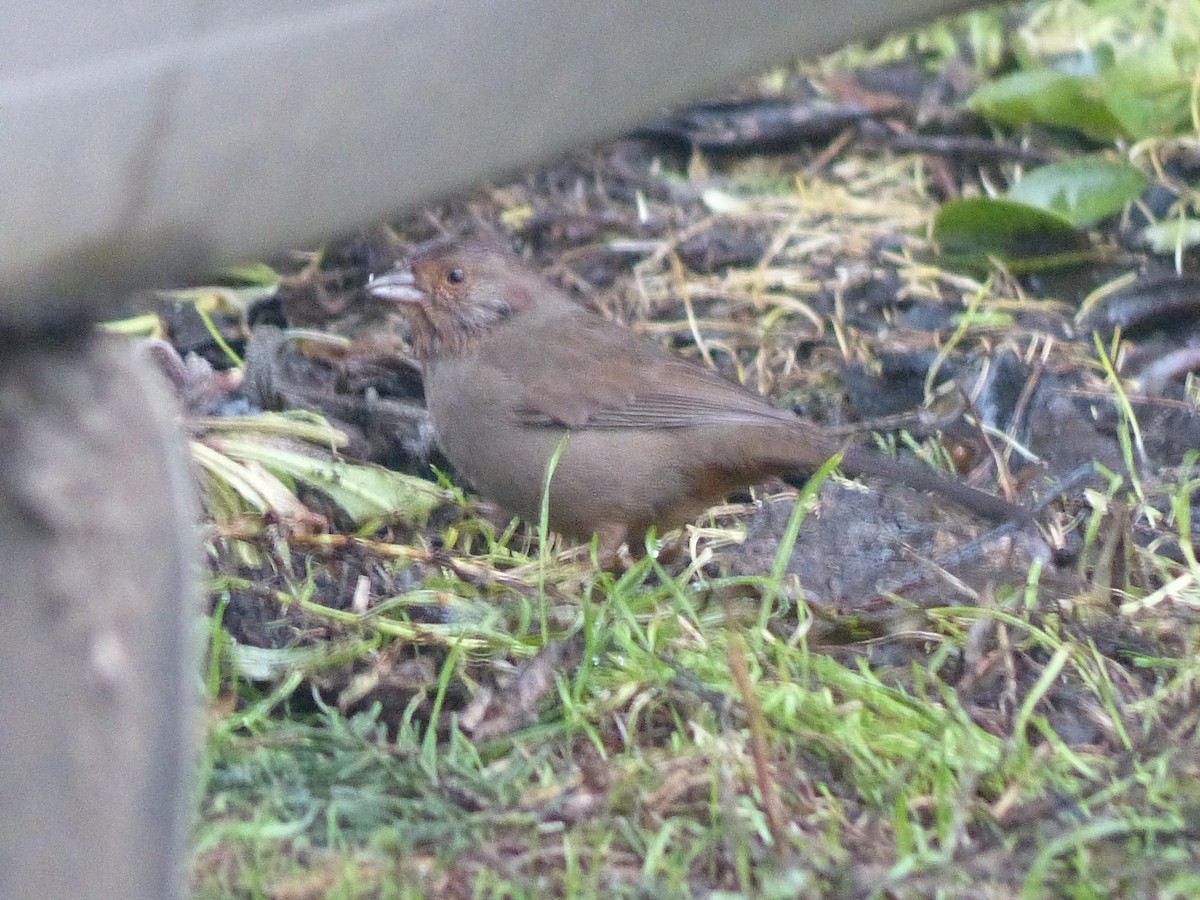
511,364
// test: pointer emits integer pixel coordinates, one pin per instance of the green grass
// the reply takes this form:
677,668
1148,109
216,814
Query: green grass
668,729
638,775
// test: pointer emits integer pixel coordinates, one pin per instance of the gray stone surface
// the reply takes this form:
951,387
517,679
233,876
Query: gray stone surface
98,680
145,140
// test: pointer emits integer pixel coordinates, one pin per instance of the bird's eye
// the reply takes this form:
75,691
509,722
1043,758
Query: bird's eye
456,276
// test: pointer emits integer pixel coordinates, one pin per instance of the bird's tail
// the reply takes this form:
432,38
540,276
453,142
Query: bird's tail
859,461
805,449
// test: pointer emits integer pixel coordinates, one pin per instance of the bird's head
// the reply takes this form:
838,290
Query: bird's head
453,291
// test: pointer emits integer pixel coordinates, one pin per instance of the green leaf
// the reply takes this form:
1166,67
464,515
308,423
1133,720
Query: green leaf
1150,93
1049,98
271,663
972,232
252,273
144,325
1083,191
298,424
256,486
252,283
363,491
1166,236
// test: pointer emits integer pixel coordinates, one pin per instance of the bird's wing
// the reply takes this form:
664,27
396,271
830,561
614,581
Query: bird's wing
596,374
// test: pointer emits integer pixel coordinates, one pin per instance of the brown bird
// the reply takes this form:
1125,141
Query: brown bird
512,364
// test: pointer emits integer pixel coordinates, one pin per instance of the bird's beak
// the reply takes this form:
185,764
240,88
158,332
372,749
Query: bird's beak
397,285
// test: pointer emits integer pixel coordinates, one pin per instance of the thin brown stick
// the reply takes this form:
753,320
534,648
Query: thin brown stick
738,667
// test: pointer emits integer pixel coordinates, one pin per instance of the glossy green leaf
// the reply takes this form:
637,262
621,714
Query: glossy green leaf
973,232
1049,98
1083,190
